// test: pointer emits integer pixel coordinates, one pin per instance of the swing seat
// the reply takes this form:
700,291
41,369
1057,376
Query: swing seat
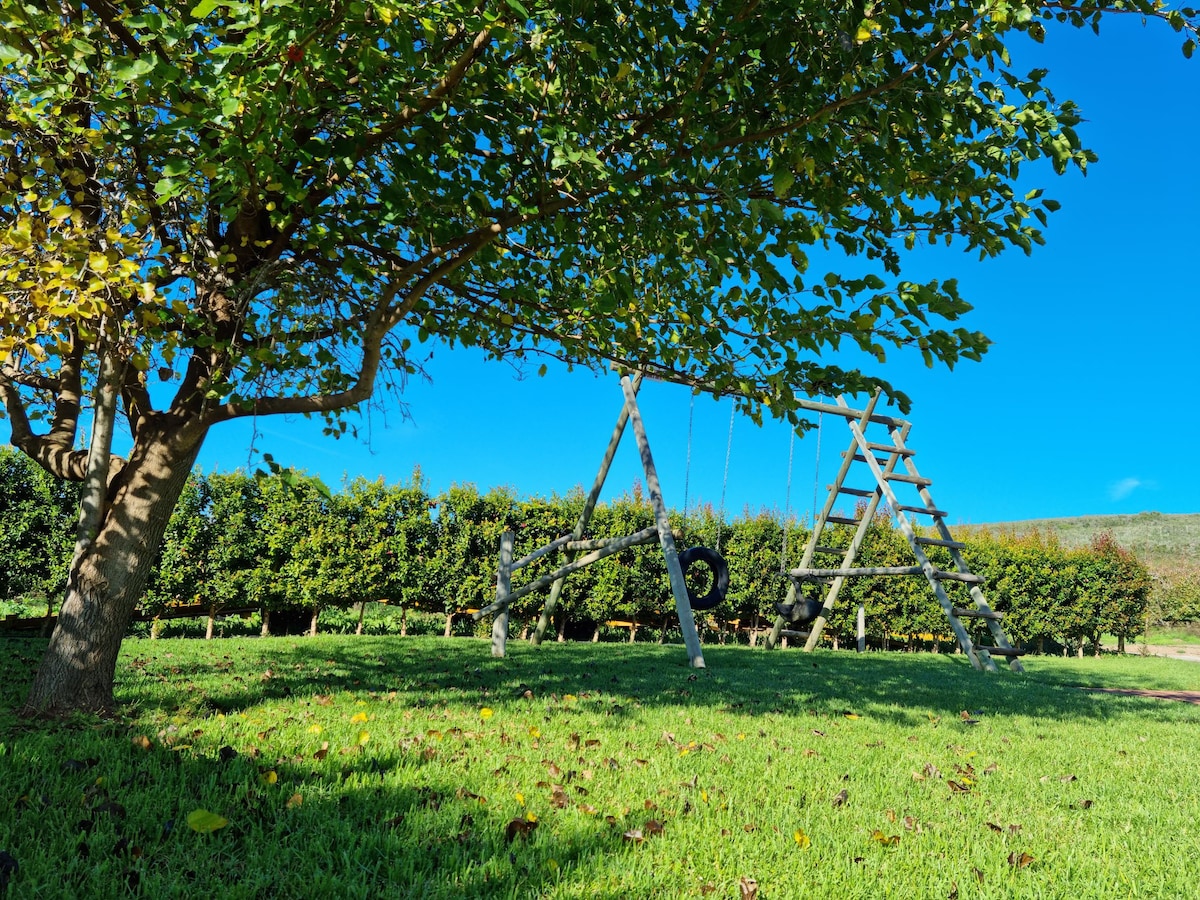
801,611
717,567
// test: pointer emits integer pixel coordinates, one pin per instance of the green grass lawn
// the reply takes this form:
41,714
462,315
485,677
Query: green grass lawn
392,767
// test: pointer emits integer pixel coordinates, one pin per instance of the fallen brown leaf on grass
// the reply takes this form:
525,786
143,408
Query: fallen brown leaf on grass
518,828
748,888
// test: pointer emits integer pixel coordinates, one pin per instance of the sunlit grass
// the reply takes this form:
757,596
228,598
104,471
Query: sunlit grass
367,767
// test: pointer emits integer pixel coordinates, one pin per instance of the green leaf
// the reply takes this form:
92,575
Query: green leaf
132,68
175,168
9,55
204,7
205,822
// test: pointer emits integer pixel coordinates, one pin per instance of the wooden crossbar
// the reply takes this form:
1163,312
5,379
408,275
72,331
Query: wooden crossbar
645,536
538,554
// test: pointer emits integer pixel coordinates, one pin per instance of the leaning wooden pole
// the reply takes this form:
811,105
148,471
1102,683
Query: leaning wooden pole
683,606
503,589
589,507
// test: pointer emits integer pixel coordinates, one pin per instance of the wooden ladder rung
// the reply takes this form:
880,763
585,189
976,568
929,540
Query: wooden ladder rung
832,551
787,632
977,614
964,577
858,457
855,492
890,448
841,520
1002,651
908,479
925,510
938,542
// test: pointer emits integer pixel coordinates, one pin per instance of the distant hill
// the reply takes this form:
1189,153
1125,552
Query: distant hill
1165,542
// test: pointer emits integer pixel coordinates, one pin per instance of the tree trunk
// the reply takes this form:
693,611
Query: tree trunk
266,623
362,611
107,579
212,623
312,627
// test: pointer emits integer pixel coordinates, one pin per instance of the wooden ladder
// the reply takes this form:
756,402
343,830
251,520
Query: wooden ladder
891,465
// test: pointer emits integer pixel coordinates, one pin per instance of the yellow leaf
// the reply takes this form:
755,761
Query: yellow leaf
294,801
520,798
534,731
802,840
315,729
98,262
530,817
486,713
359,717
363,737
60,212
269,777
205,822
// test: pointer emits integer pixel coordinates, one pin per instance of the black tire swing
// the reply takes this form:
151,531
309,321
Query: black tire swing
718,569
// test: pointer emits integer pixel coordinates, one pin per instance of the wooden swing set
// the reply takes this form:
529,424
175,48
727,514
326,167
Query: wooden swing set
890,464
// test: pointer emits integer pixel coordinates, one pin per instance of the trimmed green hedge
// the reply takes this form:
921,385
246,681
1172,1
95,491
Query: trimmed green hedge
287,544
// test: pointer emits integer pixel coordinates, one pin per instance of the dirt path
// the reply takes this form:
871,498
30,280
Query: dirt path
1190,652
1182,696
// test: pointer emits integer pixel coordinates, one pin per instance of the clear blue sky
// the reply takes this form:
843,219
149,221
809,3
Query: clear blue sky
1086,404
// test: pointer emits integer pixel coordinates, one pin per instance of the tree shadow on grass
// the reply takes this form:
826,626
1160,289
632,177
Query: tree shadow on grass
98,810
901,688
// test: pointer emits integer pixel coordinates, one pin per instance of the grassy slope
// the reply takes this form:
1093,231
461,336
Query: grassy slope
370,767
1158,538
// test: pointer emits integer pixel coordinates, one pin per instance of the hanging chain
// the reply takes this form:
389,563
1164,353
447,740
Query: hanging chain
787,506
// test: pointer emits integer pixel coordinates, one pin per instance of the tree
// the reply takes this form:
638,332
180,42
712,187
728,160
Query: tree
35,527
221,209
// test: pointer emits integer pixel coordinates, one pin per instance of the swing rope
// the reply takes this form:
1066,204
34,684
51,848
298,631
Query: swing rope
817,468
787,505
725,479
787,497
687,469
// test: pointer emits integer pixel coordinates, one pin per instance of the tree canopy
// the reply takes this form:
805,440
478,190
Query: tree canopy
221,209
262,203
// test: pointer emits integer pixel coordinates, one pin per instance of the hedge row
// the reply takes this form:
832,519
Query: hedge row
285,543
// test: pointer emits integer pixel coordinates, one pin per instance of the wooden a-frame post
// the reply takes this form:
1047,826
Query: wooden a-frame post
687,622
570,543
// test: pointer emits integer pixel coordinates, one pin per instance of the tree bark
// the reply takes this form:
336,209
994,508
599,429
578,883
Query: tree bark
108,577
